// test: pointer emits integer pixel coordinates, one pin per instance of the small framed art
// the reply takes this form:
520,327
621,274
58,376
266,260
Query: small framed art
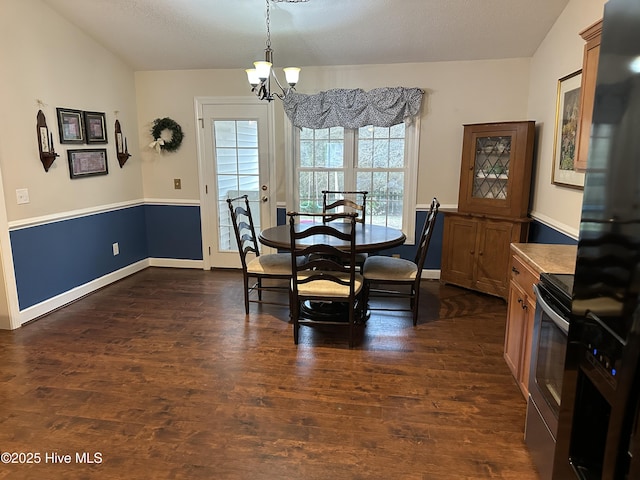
94,124
87,162
70,125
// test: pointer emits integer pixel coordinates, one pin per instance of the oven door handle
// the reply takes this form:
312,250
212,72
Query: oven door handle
560,322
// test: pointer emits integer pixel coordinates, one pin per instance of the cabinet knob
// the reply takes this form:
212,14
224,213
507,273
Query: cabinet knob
519,300
515,270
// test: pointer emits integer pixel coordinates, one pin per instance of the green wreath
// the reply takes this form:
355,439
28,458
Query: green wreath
161,124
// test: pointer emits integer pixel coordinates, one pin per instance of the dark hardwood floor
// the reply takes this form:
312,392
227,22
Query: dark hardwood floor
161,375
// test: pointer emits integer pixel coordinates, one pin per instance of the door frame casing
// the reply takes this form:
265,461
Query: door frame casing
206,171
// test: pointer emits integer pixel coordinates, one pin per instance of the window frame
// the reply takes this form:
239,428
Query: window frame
412,137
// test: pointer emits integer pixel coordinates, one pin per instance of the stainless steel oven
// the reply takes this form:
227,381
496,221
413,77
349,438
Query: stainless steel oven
549,347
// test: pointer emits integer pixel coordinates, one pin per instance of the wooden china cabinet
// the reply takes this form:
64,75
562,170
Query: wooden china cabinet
493,202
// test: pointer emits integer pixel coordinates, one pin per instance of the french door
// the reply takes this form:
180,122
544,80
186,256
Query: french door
236,151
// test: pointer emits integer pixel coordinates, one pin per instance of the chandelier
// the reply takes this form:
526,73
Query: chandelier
260,76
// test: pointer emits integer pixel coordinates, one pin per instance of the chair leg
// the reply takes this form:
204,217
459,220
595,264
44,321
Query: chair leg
365,298
351,323
414,303
259,284
294,308
246,294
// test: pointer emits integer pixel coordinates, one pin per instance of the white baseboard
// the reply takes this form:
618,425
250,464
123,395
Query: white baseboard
431,274
175,263
69,296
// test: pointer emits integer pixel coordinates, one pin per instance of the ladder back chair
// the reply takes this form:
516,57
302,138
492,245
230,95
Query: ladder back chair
328,277
336,202
273,266
342,201
381,270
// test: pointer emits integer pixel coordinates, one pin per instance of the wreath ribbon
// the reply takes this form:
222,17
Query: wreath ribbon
157,144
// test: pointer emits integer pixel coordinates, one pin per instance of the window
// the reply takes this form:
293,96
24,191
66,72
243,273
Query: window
380,160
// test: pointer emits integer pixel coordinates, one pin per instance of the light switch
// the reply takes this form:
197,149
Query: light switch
22,195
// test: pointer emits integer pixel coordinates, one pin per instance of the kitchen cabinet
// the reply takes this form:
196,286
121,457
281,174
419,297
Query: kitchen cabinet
527,262
591,36
493,201
519,326
475,251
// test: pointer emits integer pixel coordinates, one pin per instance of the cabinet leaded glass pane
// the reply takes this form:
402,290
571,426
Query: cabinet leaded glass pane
491,169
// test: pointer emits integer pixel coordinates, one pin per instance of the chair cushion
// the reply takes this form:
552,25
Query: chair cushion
271,263
389,268
322,288
361,257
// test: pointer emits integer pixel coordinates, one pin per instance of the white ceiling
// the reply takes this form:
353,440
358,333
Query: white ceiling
197,34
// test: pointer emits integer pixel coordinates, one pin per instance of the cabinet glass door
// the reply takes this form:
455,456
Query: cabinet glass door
495,172
491,168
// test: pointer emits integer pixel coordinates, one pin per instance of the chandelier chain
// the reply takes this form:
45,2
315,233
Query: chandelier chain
268,16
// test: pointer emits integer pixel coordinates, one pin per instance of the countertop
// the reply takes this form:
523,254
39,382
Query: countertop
547,258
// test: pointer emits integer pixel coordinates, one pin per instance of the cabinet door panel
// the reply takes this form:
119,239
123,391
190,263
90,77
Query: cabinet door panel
459,242
515,330
492,268
529,314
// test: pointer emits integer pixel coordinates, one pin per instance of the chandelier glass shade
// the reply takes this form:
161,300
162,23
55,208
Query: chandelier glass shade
260,76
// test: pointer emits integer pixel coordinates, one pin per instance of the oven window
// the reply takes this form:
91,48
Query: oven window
550,362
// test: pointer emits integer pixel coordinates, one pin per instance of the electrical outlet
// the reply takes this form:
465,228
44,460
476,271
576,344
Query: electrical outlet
22,196
116,249
177,183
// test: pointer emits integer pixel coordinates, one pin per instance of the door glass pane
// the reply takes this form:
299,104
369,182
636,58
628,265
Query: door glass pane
237,173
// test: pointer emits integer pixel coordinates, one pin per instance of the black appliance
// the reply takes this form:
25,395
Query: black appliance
548,351
597,435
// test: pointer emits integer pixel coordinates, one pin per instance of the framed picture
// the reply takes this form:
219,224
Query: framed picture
566,129
87,162
94,124
70,125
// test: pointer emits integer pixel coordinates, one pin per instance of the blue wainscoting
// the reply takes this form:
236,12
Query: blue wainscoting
541,233
53,258
174,231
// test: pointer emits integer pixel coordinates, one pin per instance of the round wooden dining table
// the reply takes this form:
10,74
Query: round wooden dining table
369,238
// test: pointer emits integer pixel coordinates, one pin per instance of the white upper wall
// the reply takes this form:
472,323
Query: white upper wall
559,55
44,57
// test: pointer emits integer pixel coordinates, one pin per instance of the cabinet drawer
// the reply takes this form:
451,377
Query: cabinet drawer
523,275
